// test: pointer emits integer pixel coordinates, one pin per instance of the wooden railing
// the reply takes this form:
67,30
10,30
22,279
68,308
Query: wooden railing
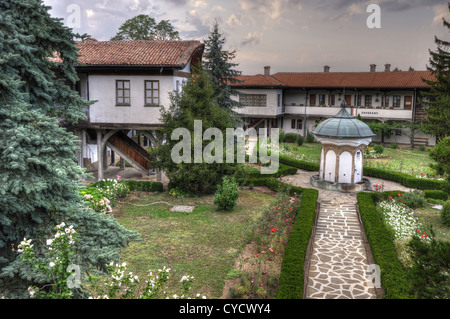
133,150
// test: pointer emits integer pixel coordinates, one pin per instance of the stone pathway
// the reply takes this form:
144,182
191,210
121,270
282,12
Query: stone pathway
338,264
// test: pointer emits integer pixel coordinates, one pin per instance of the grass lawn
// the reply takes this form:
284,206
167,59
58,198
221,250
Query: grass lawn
203,244
404,160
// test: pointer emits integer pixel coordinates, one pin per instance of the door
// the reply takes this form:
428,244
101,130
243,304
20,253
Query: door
408,102
345,168
348,100
330,167
312,100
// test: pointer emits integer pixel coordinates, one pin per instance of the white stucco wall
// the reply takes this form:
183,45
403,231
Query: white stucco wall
103,89
271,108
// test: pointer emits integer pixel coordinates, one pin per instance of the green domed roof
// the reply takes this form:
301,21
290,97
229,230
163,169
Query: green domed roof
343,125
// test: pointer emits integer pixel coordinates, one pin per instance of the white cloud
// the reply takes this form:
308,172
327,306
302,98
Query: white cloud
252,38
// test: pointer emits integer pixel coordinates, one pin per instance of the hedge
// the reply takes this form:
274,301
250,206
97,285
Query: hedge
144,186
405,179
282,170
393,276
436,194
292,275
307,166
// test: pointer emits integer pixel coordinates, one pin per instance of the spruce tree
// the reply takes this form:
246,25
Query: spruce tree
218,64
438,111
39,176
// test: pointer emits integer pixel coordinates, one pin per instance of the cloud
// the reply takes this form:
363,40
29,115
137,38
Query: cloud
234,20
271,10
441,12
252,38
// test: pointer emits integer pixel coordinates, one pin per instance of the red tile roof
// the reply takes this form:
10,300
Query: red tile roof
137,53
407,79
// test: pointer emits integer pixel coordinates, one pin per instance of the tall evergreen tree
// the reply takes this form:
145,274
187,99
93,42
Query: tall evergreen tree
218,64
196,102
438,111
38,172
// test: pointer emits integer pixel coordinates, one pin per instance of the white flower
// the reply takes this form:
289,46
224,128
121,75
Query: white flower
51,264
175,296
49,242
31,291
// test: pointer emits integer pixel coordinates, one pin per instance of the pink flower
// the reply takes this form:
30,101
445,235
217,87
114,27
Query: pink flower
263,252
271,250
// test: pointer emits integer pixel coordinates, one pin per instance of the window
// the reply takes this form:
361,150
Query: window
396,100
321,99
386,101
299,124
152,93
358,101
123,93
368,100
293,124
332,99
253,99
279,99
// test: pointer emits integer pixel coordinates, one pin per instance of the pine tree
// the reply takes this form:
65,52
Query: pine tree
217,64
195,102
38,172
438,111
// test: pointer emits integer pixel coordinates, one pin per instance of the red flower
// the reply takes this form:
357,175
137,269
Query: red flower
282,175
399,194
257,255
290,208
391,197
273,230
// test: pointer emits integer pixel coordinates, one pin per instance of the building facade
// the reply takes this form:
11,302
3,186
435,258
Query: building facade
297,102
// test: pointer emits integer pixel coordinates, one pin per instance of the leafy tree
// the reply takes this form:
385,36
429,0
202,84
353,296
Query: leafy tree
195,102
438,111
217,64
38,171
144,27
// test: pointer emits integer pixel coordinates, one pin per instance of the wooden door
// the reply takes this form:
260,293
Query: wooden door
312,100
348,100
408,102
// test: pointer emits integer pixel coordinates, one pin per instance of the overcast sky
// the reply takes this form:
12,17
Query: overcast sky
288,35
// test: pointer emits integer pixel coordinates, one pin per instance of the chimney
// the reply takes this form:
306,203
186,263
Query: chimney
387,68
267,70
326,69
373,68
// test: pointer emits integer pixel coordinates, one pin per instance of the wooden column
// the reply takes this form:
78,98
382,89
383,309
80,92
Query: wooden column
100,153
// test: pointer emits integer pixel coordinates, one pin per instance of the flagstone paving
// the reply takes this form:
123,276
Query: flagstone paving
338,266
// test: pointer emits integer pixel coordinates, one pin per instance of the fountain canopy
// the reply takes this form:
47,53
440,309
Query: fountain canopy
343,139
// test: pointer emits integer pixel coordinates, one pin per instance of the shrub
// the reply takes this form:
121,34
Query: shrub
300,140
227,194
393,277
422,148
282,136
394,146
290,137
413,199
145,186
445,214
308,166
435,194
378,149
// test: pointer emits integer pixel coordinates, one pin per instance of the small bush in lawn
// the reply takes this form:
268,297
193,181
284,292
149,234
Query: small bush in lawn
422,148
378,149
290,137
300,140
414,199
394,146
445,214
227,194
